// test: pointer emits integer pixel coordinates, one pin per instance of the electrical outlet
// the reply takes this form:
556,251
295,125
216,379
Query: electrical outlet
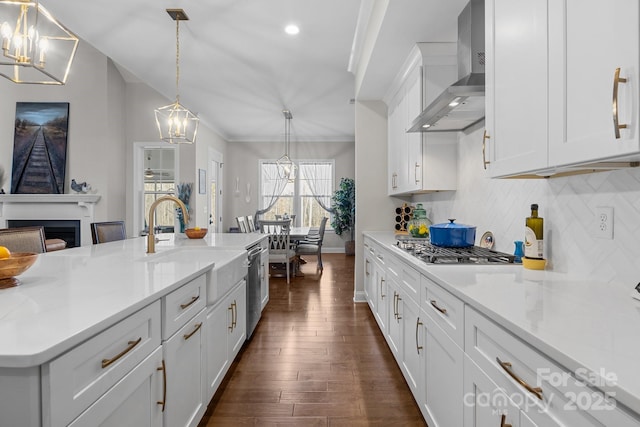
604,222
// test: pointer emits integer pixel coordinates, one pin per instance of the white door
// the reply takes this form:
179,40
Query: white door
215,192
589,40
516,86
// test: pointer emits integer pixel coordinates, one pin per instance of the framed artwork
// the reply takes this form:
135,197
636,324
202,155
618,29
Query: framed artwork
202,181
40,148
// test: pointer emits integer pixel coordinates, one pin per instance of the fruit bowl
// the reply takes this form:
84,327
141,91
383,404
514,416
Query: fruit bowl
16,264
193,233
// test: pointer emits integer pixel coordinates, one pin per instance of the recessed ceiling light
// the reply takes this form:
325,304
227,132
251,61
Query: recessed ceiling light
292,29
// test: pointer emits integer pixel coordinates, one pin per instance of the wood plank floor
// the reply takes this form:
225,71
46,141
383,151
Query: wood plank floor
315,359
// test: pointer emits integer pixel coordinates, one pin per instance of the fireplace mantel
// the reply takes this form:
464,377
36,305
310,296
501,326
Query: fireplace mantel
50,206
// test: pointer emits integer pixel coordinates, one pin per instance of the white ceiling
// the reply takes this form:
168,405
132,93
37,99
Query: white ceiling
239,70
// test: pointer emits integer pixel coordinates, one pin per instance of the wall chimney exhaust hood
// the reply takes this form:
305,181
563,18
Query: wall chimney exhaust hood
462,104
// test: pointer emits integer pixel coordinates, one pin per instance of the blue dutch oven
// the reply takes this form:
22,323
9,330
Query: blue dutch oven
452,235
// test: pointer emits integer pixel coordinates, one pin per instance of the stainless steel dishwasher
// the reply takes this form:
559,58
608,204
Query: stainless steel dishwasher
254,303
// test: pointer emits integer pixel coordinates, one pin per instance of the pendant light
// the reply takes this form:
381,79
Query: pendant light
177,125
286,168
36,48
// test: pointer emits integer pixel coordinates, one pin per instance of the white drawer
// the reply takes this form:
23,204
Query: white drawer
564,400
182,304
444,308
73,381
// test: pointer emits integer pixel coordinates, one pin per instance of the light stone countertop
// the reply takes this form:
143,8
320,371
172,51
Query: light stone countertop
578,323
70,295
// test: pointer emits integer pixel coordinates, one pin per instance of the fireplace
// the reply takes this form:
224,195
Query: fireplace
65,229
64,216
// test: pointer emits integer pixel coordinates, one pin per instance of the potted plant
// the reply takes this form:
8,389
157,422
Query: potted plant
344,212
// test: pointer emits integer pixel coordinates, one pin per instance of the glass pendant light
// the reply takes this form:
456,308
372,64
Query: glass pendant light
286,168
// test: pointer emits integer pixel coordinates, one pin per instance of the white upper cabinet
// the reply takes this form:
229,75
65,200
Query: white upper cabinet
554,92
516,86
589,41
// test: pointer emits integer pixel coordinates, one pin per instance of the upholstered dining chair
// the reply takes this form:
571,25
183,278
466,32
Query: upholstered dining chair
280,248
109,231
312,243
23,239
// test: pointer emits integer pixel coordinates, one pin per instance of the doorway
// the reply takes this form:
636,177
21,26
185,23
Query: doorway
215,191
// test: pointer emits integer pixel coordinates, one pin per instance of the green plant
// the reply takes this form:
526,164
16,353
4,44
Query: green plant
344,207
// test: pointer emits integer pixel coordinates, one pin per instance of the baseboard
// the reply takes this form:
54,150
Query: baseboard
359,296
326,250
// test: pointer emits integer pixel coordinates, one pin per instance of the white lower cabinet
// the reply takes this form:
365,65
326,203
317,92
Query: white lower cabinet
184,363
442,377
396,317
412,349
134,401
225,332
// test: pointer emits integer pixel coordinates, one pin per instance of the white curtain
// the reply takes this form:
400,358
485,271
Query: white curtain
272,187
319,179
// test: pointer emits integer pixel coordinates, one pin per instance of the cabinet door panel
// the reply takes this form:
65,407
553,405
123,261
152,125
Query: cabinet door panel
132,402
588,41
238,318
216,332
516,85
443,377
413,348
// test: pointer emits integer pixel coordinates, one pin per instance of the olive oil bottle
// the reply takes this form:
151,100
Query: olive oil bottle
533,235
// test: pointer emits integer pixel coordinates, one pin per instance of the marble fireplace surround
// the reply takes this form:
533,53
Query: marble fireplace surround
50,207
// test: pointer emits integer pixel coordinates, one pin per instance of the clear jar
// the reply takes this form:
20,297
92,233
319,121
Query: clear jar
419,226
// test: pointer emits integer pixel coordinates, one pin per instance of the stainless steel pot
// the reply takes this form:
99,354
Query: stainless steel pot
452,235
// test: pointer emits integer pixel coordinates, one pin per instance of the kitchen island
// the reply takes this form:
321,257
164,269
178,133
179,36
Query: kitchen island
69,298
576,339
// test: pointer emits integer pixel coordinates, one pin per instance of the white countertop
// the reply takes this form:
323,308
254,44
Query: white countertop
70,295
578,323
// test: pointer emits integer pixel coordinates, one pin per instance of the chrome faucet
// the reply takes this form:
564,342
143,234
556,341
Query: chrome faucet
151,239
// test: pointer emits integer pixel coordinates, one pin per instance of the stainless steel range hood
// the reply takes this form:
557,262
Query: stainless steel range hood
462,104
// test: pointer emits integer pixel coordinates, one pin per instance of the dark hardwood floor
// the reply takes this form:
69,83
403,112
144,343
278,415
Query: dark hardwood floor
315,359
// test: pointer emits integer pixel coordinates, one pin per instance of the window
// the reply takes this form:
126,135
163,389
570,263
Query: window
297,198
159,180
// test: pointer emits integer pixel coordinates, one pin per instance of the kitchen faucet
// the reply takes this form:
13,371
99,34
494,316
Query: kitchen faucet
151,240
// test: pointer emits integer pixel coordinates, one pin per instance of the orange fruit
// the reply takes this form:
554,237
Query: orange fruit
4,252
196,228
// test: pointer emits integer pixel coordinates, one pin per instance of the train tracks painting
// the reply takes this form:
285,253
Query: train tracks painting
39,148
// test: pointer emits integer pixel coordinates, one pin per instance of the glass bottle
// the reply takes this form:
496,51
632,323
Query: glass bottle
533,235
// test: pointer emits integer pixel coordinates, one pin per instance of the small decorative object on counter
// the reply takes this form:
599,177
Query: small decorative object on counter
195,233
419,225
533,242
404,214
519,252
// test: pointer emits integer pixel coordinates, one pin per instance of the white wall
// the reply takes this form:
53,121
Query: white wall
566,204
372,202
243,161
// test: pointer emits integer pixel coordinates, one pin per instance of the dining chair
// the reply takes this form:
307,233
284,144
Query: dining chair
251,225
280,248
23,239
242,224
312,243
108,231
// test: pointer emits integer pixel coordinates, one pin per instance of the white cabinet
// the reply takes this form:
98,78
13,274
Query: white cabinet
551,108
184,361
412,347
225,333
516,86
396,315
136,400
264,274
369,281
582,110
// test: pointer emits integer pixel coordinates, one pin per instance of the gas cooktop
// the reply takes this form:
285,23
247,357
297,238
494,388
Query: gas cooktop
422,249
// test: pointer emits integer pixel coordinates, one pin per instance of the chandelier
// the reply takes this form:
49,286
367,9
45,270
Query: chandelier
177,125
286,168
36,48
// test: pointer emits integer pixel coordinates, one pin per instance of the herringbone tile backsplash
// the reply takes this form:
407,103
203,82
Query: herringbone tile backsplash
567,206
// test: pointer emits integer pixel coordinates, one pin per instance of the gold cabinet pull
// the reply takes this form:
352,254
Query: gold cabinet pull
131,345
537,391
616,125
190,334
381,294
434,303
395,305
234,322
503,421
231,308
398,299
418,324
193,299
485,162
163,402
415,172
